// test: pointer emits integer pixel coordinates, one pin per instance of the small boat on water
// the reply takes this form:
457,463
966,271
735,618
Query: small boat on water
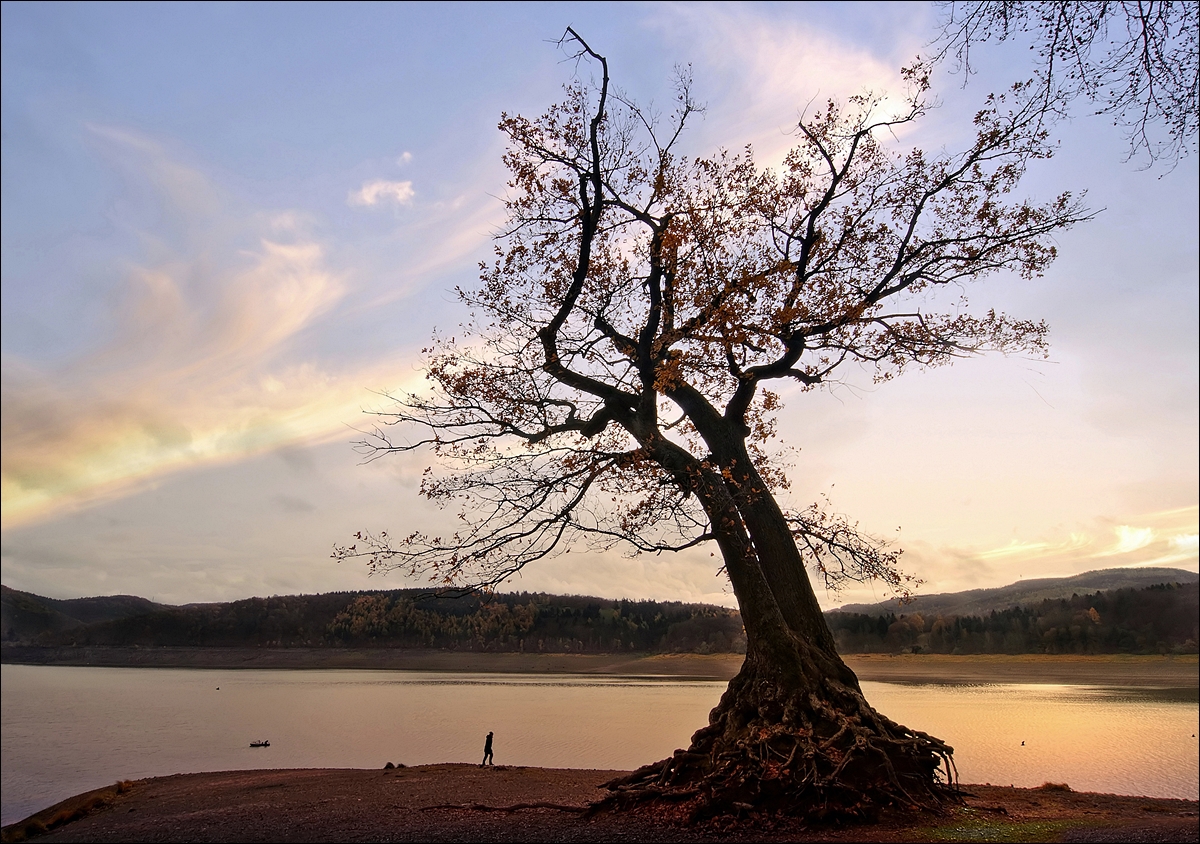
263,743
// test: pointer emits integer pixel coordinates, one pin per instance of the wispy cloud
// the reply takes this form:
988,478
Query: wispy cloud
1130,538
761,72
206,361
1186,543
382,191
1168,539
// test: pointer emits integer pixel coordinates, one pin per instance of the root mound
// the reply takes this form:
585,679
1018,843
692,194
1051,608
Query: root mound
782,744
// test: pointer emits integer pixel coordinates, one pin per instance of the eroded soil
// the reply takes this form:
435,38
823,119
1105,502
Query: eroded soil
505,803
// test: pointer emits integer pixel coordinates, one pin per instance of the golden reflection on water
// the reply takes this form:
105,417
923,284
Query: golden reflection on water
66,730
1121,741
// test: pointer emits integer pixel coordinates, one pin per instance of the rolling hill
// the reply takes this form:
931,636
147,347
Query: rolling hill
1150,610
26,615
979,602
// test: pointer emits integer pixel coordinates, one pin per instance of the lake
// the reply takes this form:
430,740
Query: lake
70,729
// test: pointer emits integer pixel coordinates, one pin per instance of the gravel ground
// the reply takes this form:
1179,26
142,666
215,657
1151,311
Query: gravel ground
504,803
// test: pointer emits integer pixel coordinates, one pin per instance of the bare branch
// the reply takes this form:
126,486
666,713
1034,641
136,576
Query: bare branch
1136,60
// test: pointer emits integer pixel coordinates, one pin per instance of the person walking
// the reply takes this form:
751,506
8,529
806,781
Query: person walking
487,751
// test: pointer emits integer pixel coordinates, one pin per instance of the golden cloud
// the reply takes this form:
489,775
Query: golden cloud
205,364
1164,538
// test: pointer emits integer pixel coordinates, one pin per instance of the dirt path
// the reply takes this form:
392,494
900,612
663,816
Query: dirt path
466,803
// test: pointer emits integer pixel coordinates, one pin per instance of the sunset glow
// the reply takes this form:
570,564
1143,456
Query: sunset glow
212,268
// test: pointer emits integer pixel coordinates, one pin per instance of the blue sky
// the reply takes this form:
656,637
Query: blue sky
225,225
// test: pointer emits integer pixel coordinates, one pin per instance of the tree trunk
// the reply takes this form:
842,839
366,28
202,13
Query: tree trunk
793,733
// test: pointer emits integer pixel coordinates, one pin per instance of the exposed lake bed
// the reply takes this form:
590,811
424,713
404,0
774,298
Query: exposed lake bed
507,803
1174,671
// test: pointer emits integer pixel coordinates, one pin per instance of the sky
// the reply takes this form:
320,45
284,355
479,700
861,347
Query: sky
227,227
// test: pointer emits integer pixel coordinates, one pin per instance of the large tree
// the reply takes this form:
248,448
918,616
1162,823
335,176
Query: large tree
619,379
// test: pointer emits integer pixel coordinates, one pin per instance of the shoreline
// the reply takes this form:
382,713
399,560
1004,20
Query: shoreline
458,802
1174,671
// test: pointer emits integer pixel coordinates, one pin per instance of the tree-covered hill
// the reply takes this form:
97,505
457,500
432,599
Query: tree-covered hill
1162,618
409,619
1027,592
24,615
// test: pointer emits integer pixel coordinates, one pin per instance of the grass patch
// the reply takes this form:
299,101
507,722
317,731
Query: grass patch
972,827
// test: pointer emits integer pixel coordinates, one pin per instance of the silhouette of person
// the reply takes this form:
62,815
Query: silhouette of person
487,751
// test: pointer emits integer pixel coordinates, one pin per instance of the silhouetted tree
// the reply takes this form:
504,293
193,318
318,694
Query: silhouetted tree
614,387
1136,61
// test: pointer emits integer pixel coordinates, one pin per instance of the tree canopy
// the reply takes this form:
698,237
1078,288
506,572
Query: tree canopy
641,302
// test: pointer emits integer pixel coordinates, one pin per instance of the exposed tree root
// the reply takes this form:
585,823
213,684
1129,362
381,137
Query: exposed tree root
813,750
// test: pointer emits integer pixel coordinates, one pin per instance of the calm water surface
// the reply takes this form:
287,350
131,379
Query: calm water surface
67,730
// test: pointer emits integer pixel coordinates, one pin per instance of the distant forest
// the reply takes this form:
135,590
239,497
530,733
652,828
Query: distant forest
1158,619
505,622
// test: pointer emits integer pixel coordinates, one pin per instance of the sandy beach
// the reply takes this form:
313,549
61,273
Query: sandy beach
467,803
